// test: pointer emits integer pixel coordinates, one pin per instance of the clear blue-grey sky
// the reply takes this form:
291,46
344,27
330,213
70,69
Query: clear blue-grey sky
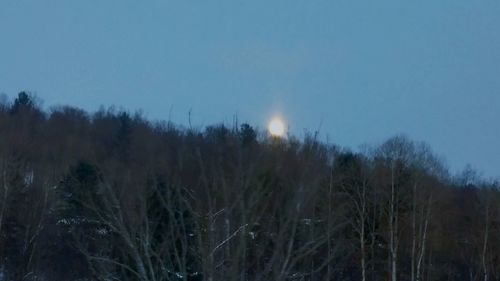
366,70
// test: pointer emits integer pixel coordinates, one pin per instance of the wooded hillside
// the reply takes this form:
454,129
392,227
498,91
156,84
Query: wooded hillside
112,196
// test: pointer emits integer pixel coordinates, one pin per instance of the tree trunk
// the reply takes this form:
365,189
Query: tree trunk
4,199
393,228
414,232
362,233
485,243
424,239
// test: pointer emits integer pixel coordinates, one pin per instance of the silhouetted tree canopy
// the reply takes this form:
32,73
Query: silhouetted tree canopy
113,196
23,102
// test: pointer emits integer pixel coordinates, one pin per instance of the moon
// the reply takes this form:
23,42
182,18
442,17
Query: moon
276,127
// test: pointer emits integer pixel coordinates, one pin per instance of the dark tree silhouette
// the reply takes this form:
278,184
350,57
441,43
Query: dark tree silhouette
112,196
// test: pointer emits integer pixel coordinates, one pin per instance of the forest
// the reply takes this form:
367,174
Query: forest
111,195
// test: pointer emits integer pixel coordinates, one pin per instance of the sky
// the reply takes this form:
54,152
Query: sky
359,71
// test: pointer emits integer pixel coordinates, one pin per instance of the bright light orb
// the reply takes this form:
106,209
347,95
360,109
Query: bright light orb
276,128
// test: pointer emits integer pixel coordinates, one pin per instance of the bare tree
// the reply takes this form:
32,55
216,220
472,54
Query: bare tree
352,177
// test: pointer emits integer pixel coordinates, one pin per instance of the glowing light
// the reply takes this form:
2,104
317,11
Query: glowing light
276,127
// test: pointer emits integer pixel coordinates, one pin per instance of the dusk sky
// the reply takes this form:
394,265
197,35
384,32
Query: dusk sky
365,71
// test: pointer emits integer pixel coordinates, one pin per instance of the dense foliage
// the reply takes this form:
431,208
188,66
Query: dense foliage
112,196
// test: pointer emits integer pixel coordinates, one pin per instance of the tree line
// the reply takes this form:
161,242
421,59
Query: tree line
113,196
